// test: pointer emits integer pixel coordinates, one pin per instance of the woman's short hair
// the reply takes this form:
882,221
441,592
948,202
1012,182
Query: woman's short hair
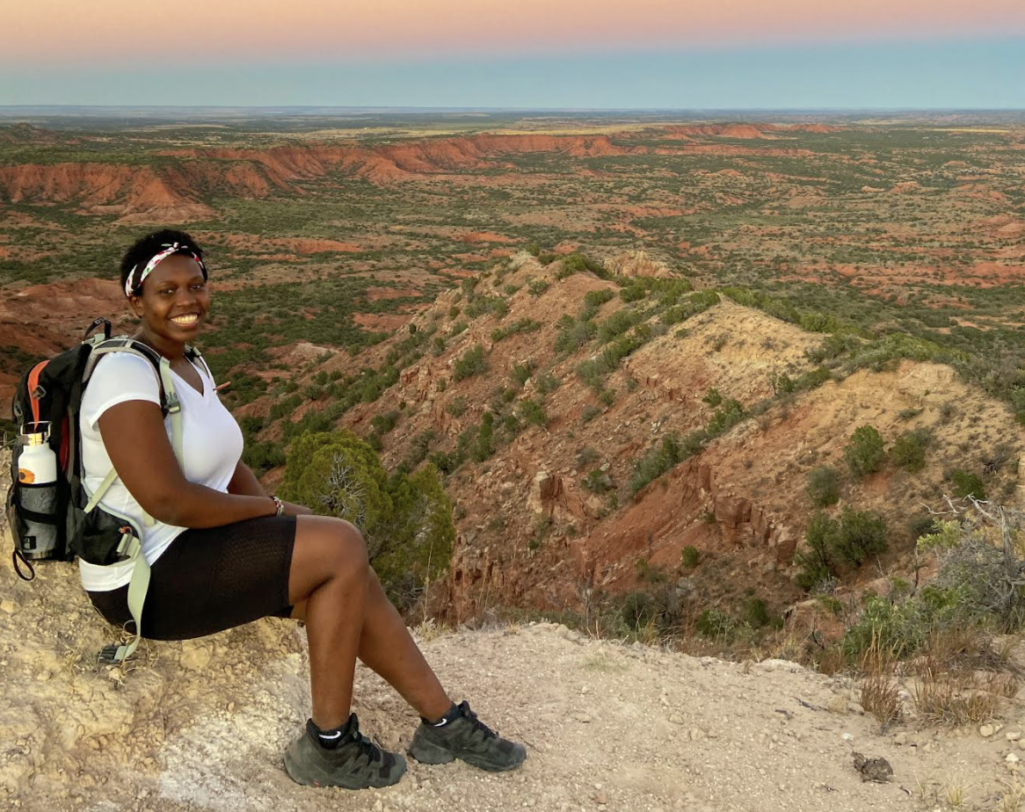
145,248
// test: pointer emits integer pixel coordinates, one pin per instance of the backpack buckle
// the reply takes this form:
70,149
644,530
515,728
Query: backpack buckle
173,404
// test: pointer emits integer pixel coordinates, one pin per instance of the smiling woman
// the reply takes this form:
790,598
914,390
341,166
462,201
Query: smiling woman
222,552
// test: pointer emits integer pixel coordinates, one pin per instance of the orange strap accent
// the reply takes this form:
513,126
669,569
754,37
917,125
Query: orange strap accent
33,382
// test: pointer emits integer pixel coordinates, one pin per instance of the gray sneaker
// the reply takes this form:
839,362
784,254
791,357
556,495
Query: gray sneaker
357,763
467,738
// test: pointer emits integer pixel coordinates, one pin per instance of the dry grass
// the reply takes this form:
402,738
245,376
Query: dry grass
879,691
952,699
955,793
1012,797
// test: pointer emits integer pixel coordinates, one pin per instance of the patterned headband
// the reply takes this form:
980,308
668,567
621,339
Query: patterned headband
132,285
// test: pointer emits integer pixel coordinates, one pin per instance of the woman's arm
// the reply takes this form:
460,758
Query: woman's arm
136,441
244,482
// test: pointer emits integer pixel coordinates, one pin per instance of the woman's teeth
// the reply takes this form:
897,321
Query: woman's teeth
185,321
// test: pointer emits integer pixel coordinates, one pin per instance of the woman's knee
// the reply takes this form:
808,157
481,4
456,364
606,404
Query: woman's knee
334,546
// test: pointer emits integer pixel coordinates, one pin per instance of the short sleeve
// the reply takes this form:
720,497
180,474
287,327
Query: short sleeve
117,378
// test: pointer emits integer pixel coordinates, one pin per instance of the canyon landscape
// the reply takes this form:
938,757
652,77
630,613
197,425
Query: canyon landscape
723,407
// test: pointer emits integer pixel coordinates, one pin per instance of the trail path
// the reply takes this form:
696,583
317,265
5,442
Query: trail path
201,725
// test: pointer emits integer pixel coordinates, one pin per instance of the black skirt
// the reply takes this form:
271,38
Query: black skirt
213,579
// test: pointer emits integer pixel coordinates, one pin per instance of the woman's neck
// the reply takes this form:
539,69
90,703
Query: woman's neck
171,350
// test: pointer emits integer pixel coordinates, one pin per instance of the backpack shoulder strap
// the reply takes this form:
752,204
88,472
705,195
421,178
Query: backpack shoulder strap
169,402
196,356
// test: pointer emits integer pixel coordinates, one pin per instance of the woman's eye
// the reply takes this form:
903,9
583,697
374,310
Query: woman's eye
200,286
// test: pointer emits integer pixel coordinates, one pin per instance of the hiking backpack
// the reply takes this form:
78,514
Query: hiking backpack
61,520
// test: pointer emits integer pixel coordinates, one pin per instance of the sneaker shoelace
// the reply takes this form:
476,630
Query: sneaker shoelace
478,726
364,746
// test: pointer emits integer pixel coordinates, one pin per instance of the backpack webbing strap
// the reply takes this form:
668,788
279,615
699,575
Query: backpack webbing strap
137,589
138,586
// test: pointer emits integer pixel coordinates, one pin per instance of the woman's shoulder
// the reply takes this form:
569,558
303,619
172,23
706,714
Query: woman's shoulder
122,372
129,364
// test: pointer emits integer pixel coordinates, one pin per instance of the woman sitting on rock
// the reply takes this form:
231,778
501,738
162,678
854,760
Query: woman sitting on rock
224,553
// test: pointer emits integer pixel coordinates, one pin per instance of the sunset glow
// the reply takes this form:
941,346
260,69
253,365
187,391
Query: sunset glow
123,32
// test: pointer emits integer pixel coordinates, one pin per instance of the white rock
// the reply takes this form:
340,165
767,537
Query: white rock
1013,735
986,731
1012,758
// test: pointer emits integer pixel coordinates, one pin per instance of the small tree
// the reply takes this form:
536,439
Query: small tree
967,484
472,362
824,486
865,452
909,450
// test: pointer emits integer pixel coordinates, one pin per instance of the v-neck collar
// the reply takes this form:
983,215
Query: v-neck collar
203,380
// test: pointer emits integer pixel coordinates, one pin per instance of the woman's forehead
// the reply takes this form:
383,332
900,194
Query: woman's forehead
176,267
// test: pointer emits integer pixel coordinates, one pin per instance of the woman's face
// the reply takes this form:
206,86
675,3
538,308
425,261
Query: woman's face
174,299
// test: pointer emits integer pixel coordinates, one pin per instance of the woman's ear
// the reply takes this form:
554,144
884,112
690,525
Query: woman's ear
135,302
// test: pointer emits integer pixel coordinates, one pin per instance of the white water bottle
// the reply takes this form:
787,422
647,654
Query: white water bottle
37,490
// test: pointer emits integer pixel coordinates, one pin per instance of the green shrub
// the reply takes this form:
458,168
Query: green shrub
596,298
967,484
816,564
533,413
518,326
632,293
716,625
472,362
521,373
438,346
597,481
578,263
690,557
823,486
537,287
406,520
865,453
457,328
484,446
546,383
862,534
573,335
909,450
616,324
725,417
589,413
607,397
712,397
655,462
756,614
922,525
383,423
482,305
647,573
458,407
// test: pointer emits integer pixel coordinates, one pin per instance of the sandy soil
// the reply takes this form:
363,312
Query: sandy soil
201,725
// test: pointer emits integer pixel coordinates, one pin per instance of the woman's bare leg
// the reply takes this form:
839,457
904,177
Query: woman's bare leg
388,649
329,574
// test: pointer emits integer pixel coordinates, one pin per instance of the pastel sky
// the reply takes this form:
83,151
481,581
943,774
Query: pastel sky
545,53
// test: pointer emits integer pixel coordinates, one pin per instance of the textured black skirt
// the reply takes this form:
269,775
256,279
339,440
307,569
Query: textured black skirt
213,579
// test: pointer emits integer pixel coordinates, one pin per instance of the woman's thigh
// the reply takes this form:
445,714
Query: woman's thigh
325,548
214,579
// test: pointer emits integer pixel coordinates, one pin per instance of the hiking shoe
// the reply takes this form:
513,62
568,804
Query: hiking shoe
356,763
463,736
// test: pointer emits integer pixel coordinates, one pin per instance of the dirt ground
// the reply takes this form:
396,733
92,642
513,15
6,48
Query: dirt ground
202,725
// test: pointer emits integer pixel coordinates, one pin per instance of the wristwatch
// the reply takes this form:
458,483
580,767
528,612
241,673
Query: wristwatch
280,505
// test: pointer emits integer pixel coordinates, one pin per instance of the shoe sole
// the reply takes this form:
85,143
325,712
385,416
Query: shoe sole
427,752
294,770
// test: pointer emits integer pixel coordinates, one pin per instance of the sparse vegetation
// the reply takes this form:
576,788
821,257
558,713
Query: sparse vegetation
865,453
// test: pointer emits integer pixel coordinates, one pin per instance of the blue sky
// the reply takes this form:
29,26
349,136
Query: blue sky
983,73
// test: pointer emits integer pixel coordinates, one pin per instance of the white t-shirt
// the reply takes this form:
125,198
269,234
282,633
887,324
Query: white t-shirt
211,446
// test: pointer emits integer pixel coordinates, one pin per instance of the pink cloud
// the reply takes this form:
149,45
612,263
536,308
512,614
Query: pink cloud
120,32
